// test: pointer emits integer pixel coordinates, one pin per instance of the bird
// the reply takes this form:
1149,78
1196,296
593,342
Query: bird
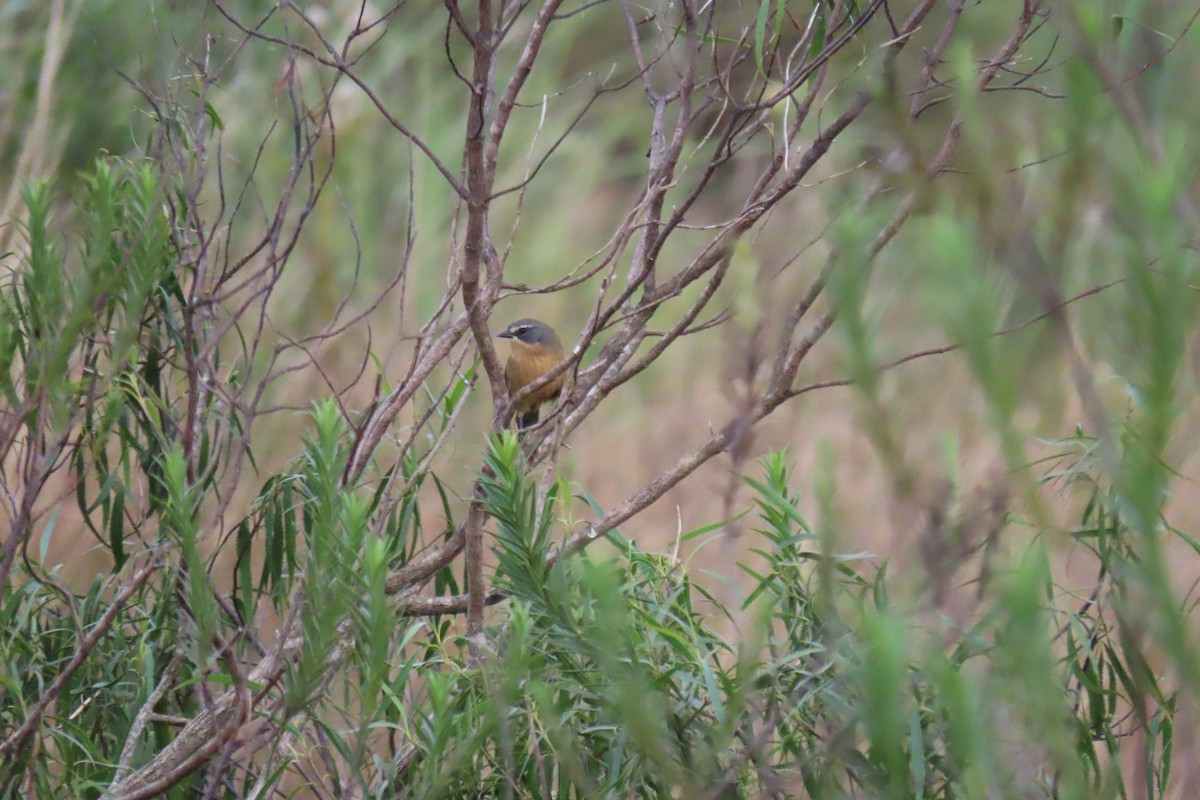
535,351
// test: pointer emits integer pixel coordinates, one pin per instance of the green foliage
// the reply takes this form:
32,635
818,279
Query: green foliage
617,677
607,680
612,672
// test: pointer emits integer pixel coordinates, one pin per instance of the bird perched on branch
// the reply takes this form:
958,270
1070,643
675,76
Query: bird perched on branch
535,351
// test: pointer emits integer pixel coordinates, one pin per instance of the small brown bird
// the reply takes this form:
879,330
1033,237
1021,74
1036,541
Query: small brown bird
535,351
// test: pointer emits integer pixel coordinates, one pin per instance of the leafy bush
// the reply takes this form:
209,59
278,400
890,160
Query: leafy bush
347,606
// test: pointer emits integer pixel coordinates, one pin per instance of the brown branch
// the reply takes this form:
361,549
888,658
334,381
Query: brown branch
335,61
533,44
169,676
477,256
676,115
85,648
950,348
716,443
779,391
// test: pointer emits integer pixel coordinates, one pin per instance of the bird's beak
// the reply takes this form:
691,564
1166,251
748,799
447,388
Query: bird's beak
506,334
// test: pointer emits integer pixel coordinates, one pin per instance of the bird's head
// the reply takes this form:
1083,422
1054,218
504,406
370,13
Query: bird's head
533,332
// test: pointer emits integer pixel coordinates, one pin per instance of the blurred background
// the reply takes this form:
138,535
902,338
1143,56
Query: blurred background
1045,168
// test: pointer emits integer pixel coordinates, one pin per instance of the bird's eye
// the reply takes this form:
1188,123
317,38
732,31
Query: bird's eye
521,331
